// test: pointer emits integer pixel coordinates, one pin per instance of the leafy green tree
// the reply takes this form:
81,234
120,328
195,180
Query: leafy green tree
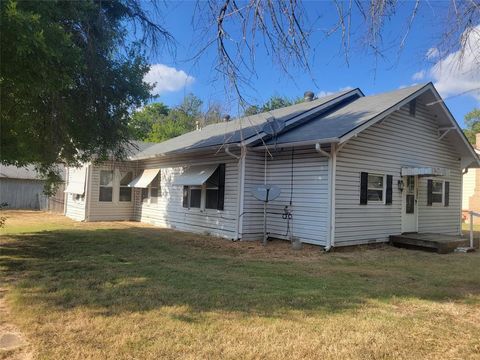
275,102
70,76
191,106
176,123
142,121
472,122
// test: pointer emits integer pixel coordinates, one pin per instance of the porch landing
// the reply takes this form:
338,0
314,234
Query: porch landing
440,243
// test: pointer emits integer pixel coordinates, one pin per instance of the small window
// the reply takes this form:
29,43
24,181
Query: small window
155,189
437,191
78,197
106,185
375,187
125,192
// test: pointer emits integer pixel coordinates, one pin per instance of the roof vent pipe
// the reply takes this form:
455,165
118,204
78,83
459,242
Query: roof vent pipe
226,118
308,96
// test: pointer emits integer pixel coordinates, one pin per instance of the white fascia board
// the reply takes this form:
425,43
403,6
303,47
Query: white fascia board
298,143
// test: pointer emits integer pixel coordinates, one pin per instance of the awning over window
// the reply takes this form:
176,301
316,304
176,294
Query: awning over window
195,175
144,179
76,180
425,171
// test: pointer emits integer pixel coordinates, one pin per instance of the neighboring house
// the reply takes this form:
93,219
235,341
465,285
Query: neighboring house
22,188
471,187
352,169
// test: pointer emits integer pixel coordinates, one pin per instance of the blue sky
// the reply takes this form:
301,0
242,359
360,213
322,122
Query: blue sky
177,75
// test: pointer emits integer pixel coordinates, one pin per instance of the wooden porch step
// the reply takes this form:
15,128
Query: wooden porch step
440,243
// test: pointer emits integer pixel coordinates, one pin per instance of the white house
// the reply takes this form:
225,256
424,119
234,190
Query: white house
352,169
471,187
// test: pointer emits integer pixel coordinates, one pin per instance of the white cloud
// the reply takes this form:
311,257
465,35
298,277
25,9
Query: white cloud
455,74
167,79
323,93
432,53
420,75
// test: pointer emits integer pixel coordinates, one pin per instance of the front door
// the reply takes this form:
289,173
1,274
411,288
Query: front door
409,204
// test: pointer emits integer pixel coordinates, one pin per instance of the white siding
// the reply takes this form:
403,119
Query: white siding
252,208
169,212
22,193
75,209
104,210
385,148
309,198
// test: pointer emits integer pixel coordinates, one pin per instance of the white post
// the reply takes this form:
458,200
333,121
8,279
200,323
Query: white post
471,229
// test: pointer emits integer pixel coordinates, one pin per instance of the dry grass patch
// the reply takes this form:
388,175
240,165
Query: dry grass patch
127,290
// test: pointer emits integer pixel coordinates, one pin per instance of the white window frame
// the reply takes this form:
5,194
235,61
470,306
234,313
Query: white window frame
100,186
384,189
438,203
148,199
120,186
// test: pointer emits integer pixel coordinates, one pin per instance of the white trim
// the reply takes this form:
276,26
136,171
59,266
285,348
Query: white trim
436,203
88,191
298,143
384,189
241,193
333,181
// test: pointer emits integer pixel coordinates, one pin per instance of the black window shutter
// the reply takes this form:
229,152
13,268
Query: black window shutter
388,197
221,187
447,193
363,188
185,196
429,192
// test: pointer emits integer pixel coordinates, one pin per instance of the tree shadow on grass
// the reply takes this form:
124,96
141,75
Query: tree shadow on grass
132,269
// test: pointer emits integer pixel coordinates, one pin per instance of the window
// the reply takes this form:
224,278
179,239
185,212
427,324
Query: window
125,192
106,185
155,189
78,197
214,189
437,191
209,195
375,187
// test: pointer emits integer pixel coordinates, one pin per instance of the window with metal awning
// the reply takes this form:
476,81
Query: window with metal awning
144,179
425,171
76,180
203,186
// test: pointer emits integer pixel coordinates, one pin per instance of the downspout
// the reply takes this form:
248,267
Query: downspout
331,186
240,187
65,195
88,196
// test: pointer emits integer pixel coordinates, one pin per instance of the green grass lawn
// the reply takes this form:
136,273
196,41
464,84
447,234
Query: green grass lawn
126,290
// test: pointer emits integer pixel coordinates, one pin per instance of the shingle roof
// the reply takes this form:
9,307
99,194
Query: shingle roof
345,119
13,172
235,131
